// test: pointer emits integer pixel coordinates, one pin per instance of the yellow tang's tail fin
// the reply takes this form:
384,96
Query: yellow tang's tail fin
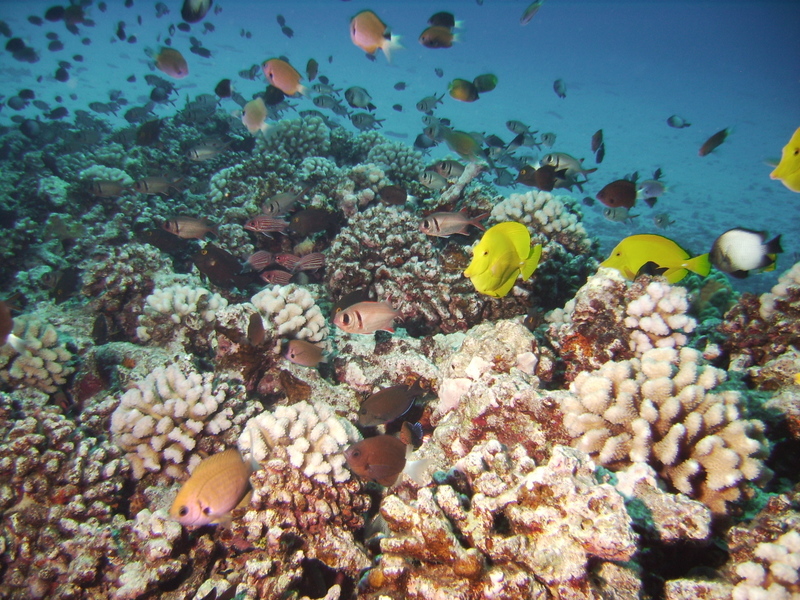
699,264
530,264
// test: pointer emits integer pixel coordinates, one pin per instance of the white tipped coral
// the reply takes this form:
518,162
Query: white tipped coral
160,420
661,409
773,571
311,437
37,358
169,312
291,311
658,317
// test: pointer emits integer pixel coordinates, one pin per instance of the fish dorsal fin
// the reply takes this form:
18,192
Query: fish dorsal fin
517,234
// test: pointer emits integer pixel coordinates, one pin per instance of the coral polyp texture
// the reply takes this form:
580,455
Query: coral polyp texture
305,501
40,359
173,417
663,409
291,311
494,536
610,318
761,328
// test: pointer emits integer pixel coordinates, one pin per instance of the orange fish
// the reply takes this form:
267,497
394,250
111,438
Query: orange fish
284,77
6,322
380,459
387,404
369,33
366,318
621,192
171,62
713,142
218,484
254,114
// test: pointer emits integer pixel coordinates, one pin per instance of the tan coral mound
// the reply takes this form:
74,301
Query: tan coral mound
661,409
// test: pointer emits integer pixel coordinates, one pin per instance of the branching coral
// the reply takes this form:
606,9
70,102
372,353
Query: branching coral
40,360
401,162
297,139
514,531
612,319
171,418
305,500
661,409
55,477
382,248
291,311
181,314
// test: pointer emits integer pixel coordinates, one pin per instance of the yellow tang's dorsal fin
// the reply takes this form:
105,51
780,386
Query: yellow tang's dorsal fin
517,234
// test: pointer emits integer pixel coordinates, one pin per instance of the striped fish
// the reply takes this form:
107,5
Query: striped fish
287,261
260,260
309,262
276,276
264,224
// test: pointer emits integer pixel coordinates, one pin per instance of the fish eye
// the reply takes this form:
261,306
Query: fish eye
355,453
205,252
486,253
346,319
206,510
183,511
425,223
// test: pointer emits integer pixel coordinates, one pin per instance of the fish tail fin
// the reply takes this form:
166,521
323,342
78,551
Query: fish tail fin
476,221
773,263
390,45
456,37
530,264
303,91
699,264
587,171
774,245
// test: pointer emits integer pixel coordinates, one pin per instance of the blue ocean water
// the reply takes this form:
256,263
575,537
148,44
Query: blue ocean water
627,66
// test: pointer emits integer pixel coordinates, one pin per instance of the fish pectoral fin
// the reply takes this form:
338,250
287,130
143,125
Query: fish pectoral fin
650,268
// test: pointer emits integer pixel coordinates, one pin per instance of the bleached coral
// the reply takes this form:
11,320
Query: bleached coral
303,491
102,172
358,187
774,571
788,284
658,317
39,359
161,420
291,311
661,409
170,311
401,162
544,213
498,526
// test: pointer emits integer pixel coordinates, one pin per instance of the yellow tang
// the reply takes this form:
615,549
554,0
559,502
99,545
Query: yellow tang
670,260
788,170
503,254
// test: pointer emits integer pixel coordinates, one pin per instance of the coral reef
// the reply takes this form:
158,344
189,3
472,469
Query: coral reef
56,479
176,415
612,319
290,311
662,409
759,329
382,248
512,530
306,503
42,360
179,315
297,139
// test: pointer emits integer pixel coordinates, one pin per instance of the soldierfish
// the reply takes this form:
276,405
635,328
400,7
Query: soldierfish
217,485
445,224
189,227
366,318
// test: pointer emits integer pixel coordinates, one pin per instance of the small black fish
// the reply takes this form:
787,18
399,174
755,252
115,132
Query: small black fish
281,20
62,75
397,107
400,86
54,14
200,51
193,11
287,31
224,88
77,57
34,20
311,220
121,31
184,27
439,72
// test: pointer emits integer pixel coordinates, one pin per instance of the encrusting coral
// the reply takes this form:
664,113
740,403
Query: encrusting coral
498,526
663,409
40,360
171,419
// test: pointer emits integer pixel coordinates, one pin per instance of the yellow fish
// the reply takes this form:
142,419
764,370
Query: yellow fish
788,170
503,254
666,257
218,484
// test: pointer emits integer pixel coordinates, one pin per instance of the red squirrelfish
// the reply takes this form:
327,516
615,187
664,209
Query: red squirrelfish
287,261
309,262
264,224
445,224
260,260
366,318
276,277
